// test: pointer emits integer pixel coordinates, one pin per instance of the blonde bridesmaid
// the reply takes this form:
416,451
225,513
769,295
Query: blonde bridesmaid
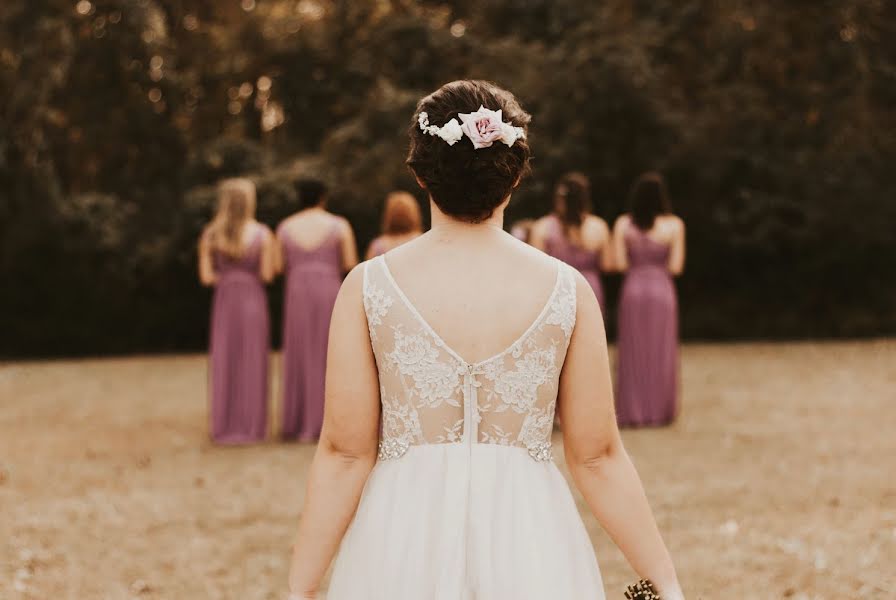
236,258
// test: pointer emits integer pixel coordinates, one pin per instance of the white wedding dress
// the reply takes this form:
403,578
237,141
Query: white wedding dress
465,501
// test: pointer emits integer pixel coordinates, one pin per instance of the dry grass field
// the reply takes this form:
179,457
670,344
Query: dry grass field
777,482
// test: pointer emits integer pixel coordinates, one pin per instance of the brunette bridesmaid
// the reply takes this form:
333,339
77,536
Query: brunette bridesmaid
649,246
401,223
574,235
236,258
315,249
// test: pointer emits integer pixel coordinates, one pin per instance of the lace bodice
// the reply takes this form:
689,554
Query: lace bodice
430,395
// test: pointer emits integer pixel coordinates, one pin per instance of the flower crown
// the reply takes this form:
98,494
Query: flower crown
484,127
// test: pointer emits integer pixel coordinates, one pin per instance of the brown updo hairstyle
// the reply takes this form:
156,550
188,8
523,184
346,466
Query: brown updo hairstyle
572,198
466,183
649,199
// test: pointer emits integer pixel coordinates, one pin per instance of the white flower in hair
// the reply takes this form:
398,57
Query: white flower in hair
510,134
484,127
451,131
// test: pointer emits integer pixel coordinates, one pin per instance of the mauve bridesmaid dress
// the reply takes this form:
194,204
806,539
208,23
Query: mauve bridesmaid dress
586,261
239,346
313,278
647,383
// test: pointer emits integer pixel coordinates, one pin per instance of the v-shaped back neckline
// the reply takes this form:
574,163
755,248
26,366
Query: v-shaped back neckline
326,239
441,342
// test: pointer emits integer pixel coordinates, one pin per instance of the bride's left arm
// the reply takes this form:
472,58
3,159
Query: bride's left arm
595,456
348,443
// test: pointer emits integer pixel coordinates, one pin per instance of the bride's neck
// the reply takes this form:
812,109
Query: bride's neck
442,221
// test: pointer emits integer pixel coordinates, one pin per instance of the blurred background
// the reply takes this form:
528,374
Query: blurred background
773,122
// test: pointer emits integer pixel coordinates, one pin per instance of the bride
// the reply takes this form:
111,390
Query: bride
448,357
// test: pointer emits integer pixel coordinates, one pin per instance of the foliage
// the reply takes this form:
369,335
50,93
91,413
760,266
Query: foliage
773,124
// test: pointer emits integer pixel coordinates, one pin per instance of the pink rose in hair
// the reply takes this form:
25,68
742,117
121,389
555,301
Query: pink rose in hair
483,127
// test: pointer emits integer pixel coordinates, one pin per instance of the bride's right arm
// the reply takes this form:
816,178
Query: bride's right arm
347,449
597,460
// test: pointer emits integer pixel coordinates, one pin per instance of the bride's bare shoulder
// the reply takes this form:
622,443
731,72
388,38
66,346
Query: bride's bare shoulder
526,261
528,251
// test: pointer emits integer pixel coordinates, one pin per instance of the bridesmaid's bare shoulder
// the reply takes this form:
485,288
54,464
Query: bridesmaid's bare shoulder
344,225
594,220
672,224
622,221
266,232
595,224
594,232
677,221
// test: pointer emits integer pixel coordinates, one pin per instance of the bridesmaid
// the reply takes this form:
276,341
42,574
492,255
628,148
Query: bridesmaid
574,235
401,223
649,247
236,257
315,249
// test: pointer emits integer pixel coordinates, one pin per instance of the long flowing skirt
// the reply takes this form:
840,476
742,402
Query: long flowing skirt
647,383
308,306
461,522
238,361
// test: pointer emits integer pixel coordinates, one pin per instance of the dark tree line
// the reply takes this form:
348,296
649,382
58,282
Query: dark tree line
774,123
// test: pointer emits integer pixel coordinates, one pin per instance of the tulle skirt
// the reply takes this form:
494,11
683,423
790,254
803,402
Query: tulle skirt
461,522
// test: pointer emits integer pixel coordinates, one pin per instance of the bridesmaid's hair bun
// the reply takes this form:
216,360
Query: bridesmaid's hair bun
466,183
311,192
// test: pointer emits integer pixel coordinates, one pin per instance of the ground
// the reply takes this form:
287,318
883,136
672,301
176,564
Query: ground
777,481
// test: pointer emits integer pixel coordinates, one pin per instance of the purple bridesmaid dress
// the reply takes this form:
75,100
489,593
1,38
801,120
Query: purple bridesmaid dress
238,347
313,278
647,392
586,261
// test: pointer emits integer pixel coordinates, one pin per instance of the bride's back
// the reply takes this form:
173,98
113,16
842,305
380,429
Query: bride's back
451,365
469,327
470,330
479,288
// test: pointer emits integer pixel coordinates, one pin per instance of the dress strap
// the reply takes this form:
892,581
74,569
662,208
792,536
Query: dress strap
564,305
377,302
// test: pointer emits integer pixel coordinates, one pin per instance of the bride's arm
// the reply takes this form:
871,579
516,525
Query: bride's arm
348,443
597,460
